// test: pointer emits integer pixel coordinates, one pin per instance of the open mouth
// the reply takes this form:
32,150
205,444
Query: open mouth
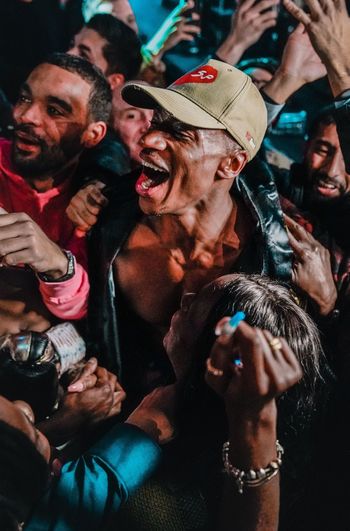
327,188
151,179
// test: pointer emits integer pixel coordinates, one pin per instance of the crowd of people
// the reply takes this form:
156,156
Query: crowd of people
174,300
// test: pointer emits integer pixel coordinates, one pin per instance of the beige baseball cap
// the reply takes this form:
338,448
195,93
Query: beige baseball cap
215,95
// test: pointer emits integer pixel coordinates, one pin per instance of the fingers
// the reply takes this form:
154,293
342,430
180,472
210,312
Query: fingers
86,205
297,247
13,245
87,378
190,29
118,399
116,393
14,225
297,230
9,219
268,368
315,8
297,12
262,6
220,360
20,257
244,6
248,340
281,364
77,220
95,197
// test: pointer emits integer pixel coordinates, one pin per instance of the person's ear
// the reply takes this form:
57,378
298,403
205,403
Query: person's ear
94,133
116,80
232,165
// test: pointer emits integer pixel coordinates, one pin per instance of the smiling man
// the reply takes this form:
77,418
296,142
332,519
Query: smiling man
192,221
321,183
62,109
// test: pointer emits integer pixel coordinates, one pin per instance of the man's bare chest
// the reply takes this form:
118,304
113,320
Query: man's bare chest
153,273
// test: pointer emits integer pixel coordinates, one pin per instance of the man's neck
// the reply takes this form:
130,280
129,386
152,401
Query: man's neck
44,183
203,227
205,221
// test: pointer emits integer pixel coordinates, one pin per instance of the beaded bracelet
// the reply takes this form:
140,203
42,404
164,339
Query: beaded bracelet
252,478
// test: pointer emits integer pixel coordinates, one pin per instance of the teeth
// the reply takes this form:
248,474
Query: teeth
153,167
146,184
327,185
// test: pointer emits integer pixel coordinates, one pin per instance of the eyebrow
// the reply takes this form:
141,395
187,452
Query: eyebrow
84,48
62,103
26,88
51,99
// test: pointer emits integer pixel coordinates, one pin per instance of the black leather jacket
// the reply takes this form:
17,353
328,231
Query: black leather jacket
269,253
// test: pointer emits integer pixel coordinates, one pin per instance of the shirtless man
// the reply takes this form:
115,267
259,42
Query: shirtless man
186,227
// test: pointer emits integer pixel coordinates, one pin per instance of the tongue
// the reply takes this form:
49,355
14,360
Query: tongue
144,183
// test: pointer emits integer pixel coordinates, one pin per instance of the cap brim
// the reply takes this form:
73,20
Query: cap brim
146,97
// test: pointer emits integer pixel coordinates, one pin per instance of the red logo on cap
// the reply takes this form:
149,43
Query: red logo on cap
203,74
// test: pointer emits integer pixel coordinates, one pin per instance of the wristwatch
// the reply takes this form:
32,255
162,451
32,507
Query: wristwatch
67,276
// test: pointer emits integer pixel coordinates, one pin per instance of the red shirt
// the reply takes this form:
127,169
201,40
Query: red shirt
67,300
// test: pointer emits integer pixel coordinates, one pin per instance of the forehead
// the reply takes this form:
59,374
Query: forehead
10,414
164,119
328,133
122,8
91,39
47,81
209,295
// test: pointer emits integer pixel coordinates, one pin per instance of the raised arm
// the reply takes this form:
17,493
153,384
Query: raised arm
249,21
249,368
299,65
328,25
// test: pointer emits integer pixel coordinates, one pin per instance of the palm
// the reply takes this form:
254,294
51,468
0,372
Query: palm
300,59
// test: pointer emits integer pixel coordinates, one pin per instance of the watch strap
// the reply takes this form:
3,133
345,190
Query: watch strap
67,276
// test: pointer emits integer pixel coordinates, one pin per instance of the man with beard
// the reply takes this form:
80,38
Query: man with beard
62,109
321,183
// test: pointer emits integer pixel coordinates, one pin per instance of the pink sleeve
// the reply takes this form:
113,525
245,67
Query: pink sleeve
67,300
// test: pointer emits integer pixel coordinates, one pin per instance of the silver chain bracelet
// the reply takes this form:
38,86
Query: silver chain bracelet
252,478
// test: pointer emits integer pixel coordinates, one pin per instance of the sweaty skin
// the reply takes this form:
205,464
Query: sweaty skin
192,231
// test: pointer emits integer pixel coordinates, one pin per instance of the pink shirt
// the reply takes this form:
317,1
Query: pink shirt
67,300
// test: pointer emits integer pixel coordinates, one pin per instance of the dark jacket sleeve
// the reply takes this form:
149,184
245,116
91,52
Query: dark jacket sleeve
342,118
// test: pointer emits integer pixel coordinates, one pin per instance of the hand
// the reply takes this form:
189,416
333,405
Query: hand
85,207
78,410
264,372
97,402
299,65
328,26
83,377
181,28
249,22
23,242
155,414
299,59
311,271
173,30
267,368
